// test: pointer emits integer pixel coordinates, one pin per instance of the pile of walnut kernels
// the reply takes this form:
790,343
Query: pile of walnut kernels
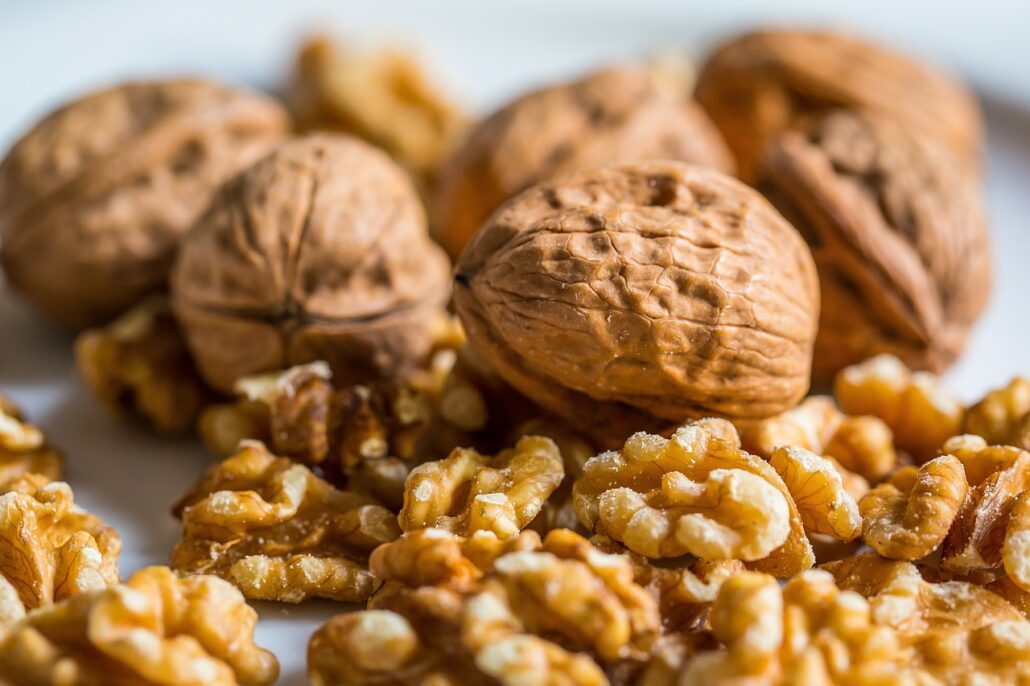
585,455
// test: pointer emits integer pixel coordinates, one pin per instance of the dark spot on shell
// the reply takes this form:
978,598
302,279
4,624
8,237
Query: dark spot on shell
663,190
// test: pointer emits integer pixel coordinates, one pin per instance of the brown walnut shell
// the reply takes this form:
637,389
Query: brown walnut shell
634,296
614,115
760,83
94,199
898,235
318,252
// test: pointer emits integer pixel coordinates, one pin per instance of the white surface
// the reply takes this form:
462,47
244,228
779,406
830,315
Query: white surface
486,50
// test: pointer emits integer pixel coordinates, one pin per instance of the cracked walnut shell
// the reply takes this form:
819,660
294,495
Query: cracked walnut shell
94,199
317,252
636,296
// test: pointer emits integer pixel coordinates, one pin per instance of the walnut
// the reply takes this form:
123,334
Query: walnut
978,459
1016,547
23,447
467,492
1003,415
757,84
694,493
154,629
815,484
910,522
915,405
634,296
898,235
94,199
278,532
139,364
319,251
620,114
51,549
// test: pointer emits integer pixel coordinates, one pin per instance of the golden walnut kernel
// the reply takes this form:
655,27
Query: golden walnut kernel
919,411
634,296
317,252
467,492
51,549
1002,417
153,629
94,199
619,114
693,493
139,363
278,532
815,484
23,448
909,523
1016,547
760,83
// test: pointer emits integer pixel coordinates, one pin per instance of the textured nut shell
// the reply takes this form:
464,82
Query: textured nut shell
757,84
319,251
95,197
627,295
898,235
614,115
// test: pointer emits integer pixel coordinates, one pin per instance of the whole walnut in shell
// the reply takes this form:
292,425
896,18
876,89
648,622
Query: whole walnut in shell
898,235
94,199
614,115
317,252
635,296
760,83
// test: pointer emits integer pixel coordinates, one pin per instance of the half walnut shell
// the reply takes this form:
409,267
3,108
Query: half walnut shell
318,252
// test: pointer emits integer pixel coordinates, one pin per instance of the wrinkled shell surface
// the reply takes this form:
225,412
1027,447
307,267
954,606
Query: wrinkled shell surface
95,197
634,296
319,251
614,115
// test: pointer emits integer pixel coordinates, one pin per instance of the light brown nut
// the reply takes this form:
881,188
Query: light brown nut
468,492
153,629
1016,548
915,405
318,252
815,484
910,524
1002,417
757,84
24,449
629,297
898,233
863,445
979,459
693,493
138,364
619,114
810,425
278,532
95,197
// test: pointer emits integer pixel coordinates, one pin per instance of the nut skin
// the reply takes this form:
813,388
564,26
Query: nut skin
757,84
95,197
618,114
635,296
319,251
898,235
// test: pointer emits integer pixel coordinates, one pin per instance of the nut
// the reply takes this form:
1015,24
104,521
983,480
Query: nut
1016,548
467,492
760,83
278,532
909,523
621,114
634,296
816,486
897,232
863,446
919,411
319,251
139,364
153,629
94,199
697,494
979,459
1002,417
23,448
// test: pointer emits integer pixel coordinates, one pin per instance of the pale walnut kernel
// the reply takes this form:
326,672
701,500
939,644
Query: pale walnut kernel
909,524
23,448
1002,417
863,445
154,629
1016,548
816,486
979,459
467,492
278,532
919,411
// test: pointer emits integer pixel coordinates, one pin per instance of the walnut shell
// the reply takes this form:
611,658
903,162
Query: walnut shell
94,199
634,296
319,251
898,235
614,115
757,84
